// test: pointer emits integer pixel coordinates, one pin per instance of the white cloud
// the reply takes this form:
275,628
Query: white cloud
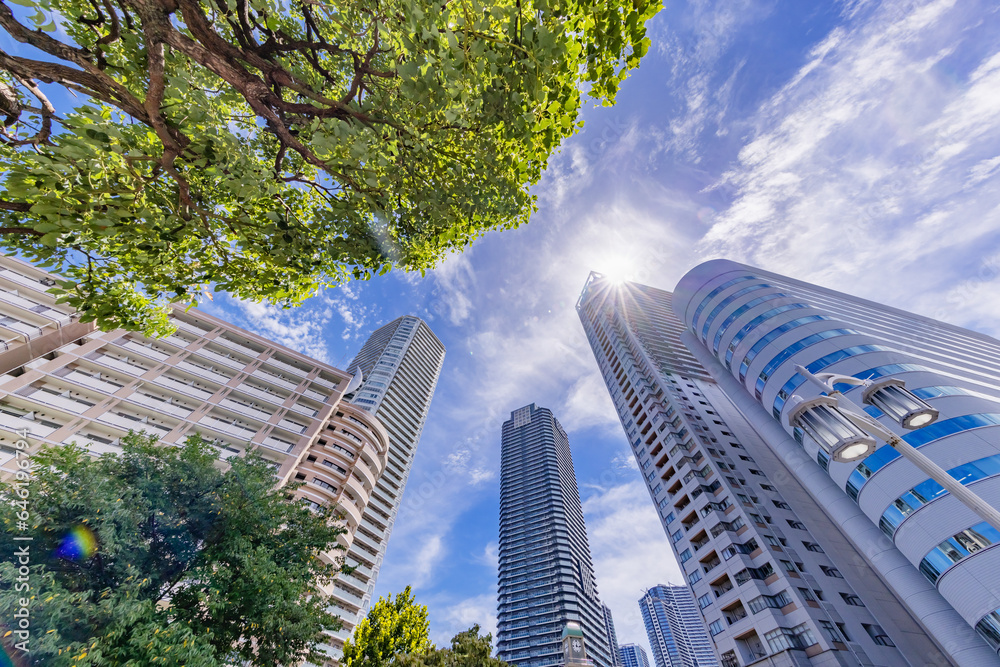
461,615
630,552
867,156
300,329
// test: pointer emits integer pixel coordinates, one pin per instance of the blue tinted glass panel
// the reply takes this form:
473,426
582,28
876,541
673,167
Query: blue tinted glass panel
988,628
787,353
883,455
725,302
934,392
823,459
714,293
739,311
757,321
796,380
771,335
934,564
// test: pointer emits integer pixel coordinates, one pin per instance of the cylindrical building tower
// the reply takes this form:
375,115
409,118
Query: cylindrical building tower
755,327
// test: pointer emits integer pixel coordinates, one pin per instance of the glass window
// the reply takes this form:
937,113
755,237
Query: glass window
715,627
989,629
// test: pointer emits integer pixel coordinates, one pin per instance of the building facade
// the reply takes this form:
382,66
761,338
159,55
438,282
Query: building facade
934,554
755,548
65,382
546,573
609,630
399,366
676,630
633,655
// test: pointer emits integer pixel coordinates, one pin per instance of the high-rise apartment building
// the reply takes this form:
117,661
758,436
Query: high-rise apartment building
609,630
546,573
64,381
792,556
633,655
399,365
675,629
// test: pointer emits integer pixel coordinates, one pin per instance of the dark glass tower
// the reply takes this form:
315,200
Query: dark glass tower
546,573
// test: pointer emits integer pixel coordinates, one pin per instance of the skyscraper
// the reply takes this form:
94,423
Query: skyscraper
63,381
785,550
633,655
546,574
400,364
609,630
675,629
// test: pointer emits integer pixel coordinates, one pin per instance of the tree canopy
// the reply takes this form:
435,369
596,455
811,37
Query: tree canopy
157,557
268,148
468,649
391,628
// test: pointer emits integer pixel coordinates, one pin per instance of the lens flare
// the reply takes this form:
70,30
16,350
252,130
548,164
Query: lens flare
79,544
10,656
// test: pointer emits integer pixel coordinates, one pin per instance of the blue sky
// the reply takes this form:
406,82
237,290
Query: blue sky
854,144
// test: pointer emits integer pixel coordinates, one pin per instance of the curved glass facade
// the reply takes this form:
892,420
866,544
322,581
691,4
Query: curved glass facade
955,369
886,454
988,628
787,353
929,490
956,548
725,302
739,311
796,380
765,340
714,293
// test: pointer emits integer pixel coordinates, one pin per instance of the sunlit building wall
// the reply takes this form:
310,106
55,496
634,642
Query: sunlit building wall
751,327
66,382
400,364
763,577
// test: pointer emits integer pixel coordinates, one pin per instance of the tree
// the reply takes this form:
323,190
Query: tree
468,649
392,628
267,148
155,556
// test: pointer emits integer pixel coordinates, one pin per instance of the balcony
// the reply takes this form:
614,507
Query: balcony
208,373
278,444
160,404
134,370
130,422
303,410
272,379
295,372
36,428
230,428
215,357
92,382
236,347
182,386
61,401
315,395
268,396
190,328
351,600
292,426
251,411
734,613
145,350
